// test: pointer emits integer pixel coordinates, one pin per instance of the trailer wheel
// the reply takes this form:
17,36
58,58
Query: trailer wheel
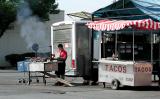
37,80
104,84
19,81
115,84
24,81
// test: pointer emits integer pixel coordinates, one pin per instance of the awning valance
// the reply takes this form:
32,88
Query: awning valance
112,25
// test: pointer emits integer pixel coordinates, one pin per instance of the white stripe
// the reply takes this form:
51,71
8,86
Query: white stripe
154,25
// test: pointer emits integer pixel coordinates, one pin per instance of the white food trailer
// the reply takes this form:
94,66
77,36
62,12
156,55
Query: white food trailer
76,39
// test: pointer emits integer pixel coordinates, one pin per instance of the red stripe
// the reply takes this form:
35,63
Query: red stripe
111,25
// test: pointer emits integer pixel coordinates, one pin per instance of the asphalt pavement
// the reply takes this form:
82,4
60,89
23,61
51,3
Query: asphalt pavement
10,88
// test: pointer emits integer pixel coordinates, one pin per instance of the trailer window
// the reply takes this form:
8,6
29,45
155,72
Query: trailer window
121,43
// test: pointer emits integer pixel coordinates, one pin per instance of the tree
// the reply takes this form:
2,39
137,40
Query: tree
42,8
8,11
7,15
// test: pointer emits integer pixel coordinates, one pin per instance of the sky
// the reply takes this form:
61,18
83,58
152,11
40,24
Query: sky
71,6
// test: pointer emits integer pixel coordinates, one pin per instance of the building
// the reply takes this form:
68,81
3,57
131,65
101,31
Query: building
14,41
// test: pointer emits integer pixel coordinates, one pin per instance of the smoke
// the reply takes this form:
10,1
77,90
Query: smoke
32,29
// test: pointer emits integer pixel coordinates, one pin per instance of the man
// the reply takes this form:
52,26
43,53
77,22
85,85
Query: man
61,65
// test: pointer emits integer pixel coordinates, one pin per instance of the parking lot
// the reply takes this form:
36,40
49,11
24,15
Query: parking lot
11,88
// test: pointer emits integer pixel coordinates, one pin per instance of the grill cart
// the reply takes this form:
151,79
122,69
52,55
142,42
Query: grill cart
34,68
42,67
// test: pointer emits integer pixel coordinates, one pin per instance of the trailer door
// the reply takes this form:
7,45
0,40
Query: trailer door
62,35
83,49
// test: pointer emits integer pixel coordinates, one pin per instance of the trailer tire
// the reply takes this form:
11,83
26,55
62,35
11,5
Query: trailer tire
37,80
24,81
104,84
19,81
115,84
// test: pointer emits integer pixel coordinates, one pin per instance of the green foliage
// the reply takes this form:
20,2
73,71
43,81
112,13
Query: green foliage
8,11
7,15
42,8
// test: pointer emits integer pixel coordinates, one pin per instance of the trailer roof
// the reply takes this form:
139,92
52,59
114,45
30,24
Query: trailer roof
69,22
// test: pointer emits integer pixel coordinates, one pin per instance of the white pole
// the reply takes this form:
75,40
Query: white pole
52,39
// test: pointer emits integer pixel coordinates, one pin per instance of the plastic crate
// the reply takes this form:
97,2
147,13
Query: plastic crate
22,66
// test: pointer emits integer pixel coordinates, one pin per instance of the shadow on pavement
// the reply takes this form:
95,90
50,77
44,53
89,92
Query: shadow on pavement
141,88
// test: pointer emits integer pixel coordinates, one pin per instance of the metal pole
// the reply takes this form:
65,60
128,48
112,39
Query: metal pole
103,42
92,51
133,45
116,44
151,48
123,3
100,46
92,40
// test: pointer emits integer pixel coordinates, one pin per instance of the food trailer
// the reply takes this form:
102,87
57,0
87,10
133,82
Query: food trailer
76,38
125,51
124,73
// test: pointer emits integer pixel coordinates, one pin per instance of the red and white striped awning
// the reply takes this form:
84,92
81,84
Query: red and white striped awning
112,25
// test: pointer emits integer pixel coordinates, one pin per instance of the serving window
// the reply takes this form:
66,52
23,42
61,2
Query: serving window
126,45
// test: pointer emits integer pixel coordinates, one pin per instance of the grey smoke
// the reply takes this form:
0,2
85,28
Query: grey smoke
32,29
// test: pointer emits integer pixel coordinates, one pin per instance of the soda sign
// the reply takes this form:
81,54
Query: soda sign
116,68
